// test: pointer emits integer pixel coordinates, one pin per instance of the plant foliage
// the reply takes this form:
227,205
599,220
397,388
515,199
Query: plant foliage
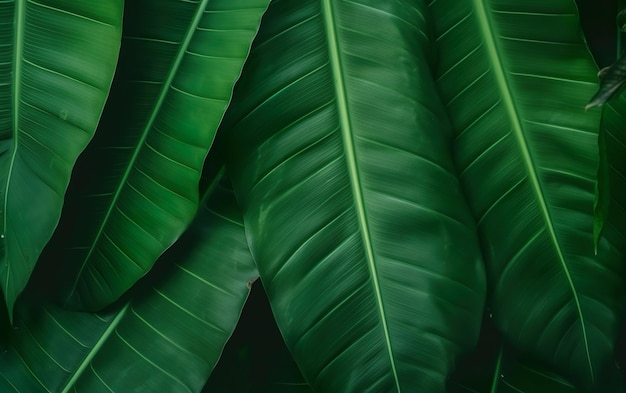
427,200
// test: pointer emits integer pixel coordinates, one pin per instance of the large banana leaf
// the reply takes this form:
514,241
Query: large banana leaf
57,60
352,206
515,77
166,339
136,189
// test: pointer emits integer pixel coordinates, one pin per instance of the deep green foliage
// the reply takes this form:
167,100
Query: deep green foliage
417,184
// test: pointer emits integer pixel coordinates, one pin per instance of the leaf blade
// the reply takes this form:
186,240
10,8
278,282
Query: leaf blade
349,143
296,179
537,237
175,82
54,89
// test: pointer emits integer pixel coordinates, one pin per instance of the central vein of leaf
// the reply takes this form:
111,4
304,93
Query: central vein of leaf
498,68
95,349
348,140
144,135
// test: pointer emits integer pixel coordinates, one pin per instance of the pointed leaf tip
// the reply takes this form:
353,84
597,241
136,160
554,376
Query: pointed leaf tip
612,79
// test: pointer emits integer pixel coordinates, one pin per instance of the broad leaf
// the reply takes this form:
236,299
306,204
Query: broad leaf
352,206
57,62
136,189
166,339
515,77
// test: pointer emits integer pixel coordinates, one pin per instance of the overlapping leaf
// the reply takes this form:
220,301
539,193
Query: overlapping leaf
166,339
57,60
515,77
614,185
352,206
612,79
256,358
137,187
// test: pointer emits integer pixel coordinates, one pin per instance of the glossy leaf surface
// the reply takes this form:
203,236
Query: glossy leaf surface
57,60
166,339
178,65
515,77
351,203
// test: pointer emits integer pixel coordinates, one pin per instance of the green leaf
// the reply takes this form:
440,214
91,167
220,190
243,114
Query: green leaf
339,157
612,79
57,61
167,338
136,189
514,77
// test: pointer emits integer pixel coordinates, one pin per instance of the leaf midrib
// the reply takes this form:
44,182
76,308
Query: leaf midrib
507,97
353,170
157,106
95,349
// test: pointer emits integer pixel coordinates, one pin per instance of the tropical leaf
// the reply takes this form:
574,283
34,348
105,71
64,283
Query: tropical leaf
57,61
514,77
178,66
353,210
167,338
612,79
